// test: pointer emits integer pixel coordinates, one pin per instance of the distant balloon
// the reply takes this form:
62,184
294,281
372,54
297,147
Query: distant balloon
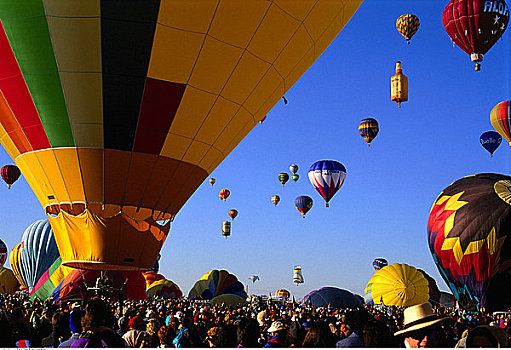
10,173
293,168
500,117
233,213
226,229
295,177
490,140
212,181
327,177
475,25
224,194
368,129
283,178
297,274
283,293
378,263
275,199
254,278
3,253
303,204
407,25
399,86
215,283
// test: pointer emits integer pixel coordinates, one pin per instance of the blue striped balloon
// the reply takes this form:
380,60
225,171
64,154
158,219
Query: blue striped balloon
327,177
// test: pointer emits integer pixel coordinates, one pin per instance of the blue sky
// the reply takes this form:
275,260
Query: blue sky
383,206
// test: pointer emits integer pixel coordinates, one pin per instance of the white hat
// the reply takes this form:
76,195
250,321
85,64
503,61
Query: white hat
418,317
276,326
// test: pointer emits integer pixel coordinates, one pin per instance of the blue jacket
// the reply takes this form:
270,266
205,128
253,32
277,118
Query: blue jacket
352,341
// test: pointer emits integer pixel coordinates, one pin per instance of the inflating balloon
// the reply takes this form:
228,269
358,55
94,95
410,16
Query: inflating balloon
475,25
500,118
283,293
233,213
378,263
490,140
8,282
10,173
116,113
165,289
224,194
275,199
327,177
283,178
332,297
49,280
368,129
407,25
215,283
303,204
468,230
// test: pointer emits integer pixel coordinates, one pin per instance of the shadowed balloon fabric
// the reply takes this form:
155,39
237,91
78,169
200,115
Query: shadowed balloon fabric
333,297
116,111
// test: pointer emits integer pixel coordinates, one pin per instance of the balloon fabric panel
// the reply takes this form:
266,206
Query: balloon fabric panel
500,117
490,140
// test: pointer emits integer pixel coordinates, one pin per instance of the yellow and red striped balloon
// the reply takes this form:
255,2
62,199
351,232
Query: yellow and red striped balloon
500,117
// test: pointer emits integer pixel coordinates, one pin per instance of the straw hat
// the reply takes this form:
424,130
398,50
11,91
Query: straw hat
418,317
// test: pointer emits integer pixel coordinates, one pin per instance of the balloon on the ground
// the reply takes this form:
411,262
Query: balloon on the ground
293,168
434,292
108,124
297,274
468,229
254,278
399,86
50,280
15,261
233,213
215,283
295,177
475,25
490,140
303,204
407,25
447,299
8,282
224,194
332,297
226,229
212,181
3,253
165,289
229,300
283,293
283,178
10,173
327,177
378,263
151,277
275,199
368,129
398,285
500,117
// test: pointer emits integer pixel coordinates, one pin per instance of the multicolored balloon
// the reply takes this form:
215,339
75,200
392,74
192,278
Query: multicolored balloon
275,199
368,129
212,181
303,204
327,177
283,293
490,140
297,274
295,177
293,168
165,289
224,194
468,234
500,118
233,213
3,253
378,263
217,282
283,178
10,173
407,25
475,25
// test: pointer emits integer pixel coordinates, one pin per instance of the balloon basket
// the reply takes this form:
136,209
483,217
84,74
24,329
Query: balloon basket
327,205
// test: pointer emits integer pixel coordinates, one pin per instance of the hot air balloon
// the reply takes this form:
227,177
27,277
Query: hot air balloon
212,181
378,263
297,274
293,168
500,117
490,140
233,213
165,289
407,25
368,129
151,277
399,86
475,25
283,178
8,282
398,285
50,280
10,173
468,228
15,261
434,292
3,253
327,177
226,229
275,199
108,124
215,283
224,194
229,300
295,177
332,297
283,293
254,278
303,204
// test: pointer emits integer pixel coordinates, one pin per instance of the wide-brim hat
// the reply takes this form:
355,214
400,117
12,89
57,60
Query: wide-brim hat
419,316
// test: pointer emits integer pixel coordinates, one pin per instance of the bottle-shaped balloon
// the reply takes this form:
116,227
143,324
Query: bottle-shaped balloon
275,199
226,229
212,181
399,86
283,178
224,194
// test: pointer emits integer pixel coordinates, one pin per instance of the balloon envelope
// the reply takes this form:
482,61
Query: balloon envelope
283,293
490,140
500,117
378,263
275,199
283,178
407,25
303,204
117,112
368,129
3,253
164,289
10,173
230,300
8,282
327,177
50,279
217,282
332,296
293,168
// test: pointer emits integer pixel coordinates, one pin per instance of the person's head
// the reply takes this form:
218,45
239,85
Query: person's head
278,328
215,337
421,327
152,326
357,319
166,334
296,333
318,335
95,314
137,322
75,321
247,332
486,337
377,334
60,324
123,323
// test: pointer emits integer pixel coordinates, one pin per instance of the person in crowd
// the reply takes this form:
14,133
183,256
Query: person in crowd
75,326
136,334
166,335
60,330
152,328
215,337
318,336
279,335
123,325
376,334
247,333
356,321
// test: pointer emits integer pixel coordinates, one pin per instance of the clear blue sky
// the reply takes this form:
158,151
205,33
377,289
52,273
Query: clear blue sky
383,206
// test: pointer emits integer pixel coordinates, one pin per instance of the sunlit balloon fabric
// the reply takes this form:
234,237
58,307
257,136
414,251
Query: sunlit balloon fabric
8,282
165,289
500,117
50,279
217,282
230,300
398,285
368,129
283,293
327,177
468,229
407,25
116,111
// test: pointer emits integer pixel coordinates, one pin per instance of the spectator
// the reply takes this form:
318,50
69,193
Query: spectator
136,334
166,334
356,321
278,339
75,325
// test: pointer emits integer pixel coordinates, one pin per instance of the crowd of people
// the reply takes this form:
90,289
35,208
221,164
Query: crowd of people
166,323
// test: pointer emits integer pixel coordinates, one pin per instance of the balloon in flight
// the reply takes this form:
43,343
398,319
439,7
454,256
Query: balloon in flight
475,25
233,213
224,194
303,204
293,168
226,229
283,178
327,177
295,177
500,118
368,129
490,140
297,274
109,125
10,173
407,25
275,199
212,181
254,278
399,85
378,263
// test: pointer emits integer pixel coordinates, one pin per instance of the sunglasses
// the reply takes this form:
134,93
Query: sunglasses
421,334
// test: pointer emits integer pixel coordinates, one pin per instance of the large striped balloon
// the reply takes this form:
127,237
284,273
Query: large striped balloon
368,129
407,25
500,117
327,177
